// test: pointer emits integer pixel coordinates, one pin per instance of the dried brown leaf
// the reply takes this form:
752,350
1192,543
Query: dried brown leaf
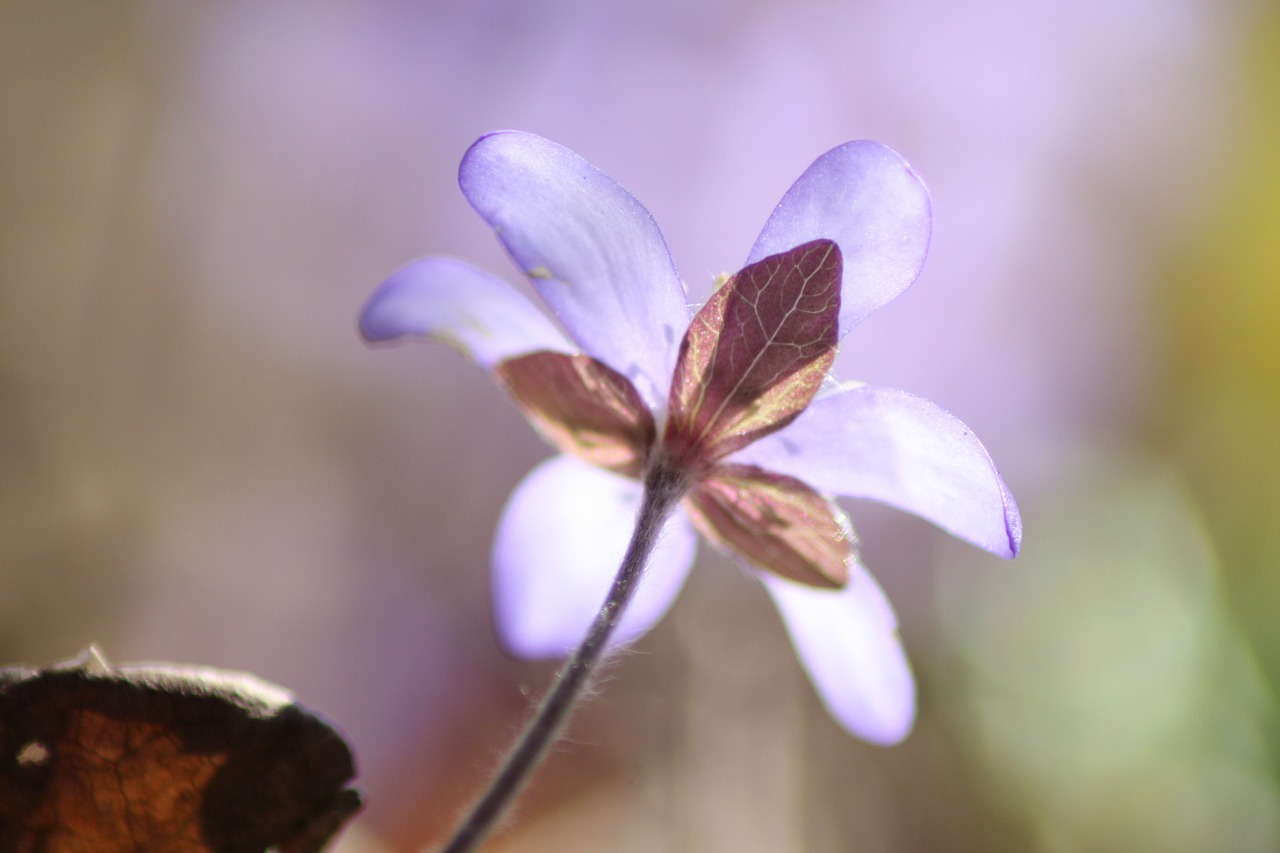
162,758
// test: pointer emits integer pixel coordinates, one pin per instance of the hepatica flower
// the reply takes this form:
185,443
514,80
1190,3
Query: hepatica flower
733,403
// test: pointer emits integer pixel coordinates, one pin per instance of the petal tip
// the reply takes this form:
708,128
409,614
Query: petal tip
887,731
379,321
1012,540
486,140
1013,526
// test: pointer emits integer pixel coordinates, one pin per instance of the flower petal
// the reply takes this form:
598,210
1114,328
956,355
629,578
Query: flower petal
559,543
847,640
868,199
469,309
593,253
890,446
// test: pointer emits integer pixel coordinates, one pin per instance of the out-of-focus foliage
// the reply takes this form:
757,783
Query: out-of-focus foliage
1106,690
1219,406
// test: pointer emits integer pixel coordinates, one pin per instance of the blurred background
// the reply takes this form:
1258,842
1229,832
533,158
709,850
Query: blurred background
202,462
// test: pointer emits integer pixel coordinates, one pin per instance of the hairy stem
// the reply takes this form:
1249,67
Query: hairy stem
663,488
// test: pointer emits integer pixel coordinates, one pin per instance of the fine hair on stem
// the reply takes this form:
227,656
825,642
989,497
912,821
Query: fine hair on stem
663,488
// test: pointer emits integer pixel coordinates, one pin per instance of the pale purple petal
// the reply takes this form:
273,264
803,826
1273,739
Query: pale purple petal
559,543
457,304
871,202
593,253
847,640
890,446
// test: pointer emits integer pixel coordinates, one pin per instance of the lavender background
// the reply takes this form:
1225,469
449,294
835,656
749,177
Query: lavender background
202,462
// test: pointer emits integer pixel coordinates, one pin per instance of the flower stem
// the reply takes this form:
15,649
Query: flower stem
663,488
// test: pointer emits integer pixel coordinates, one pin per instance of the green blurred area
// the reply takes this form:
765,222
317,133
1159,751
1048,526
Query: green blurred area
1120,687
1218,412
1105,686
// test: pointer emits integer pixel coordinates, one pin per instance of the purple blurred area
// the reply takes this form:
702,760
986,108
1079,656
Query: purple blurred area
203,462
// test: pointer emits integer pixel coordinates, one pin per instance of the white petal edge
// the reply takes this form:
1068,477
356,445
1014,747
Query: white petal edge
590,249
560,540
847,641
868,199
887,445
452,302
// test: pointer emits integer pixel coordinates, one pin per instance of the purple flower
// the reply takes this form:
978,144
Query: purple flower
736,397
